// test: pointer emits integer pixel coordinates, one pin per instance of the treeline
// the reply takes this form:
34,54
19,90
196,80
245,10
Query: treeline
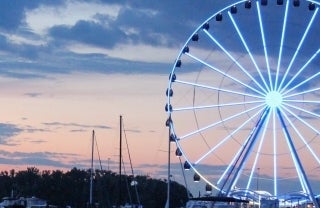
72,188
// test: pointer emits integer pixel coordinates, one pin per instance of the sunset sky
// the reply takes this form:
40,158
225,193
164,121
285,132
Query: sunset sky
70,67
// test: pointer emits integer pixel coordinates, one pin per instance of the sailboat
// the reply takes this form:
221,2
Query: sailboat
133,183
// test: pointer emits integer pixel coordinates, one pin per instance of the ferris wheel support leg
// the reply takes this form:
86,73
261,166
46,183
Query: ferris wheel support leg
247,150
297,159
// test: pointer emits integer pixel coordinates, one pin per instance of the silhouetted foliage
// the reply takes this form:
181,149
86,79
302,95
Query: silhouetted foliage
72,188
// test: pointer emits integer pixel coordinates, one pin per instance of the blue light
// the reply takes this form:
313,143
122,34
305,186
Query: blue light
274,99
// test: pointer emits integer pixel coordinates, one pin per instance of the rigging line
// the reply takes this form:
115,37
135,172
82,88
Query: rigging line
264,44
217,89
126,179
98,152
217,105
219,122
223,73
281,43
129,155
248,50
298,48
235,61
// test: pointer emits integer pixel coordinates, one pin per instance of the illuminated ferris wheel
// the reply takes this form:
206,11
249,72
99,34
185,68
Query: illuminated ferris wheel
243,99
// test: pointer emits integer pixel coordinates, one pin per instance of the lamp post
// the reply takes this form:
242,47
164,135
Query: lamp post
170,139
258,175
258,172
169,173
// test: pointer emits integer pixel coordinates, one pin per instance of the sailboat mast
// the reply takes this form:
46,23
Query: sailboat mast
120,160
91,170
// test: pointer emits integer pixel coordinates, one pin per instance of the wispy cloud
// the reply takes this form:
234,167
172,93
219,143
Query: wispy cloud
75,125
36,159
7,131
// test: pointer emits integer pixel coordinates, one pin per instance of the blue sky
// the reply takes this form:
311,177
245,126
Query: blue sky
60,54
100,36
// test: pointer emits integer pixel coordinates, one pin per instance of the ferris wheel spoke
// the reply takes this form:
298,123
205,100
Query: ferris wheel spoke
302,93
303,110
284,26
234,60
302,120
248,150
215,106
302,83
299,72
299,167
223,73
299,134
298,48
227,137
218,89
219,122
248,50
303,101
315,2
263,136
293,154
264,44
237,155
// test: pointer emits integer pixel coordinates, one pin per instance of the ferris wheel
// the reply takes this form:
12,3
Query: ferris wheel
243,99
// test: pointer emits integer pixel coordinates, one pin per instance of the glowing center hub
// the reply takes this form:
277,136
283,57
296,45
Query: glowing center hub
274,99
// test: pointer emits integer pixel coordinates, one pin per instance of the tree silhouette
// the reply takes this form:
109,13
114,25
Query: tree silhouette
71,188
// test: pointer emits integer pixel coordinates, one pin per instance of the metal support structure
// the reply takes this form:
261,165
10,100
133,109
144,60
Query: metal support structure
169,171
297,159
247,150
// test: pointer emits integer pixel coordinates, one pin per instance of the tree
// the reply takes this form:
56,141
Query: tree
72,188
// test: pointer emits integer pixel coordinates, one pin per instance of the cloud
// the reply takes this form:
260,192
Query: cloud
8,131
99,36
35,159
75,125
12,13
68,14
134,53
33,94
88,33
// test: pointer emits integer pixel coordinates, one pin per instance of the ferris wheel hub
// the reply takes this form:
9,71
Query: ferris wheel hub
274,99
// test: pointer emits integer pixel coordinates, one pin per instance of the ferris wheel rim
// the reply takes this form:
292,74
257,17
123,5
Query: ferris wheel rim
172,79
